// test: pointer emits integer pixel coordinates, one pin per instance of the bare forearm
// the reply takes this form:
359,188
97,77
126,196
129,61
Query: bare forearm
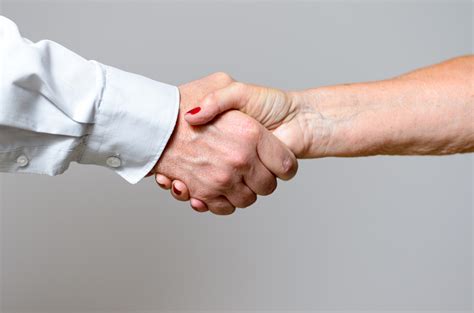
428,111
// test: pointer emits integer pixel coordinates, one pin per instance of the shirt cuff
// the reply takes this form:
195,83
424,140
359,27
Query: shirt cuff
134,121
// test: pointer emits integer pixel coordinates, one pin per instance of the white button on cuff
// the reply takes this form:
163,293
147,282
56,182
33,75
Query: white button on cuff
113,162
22,160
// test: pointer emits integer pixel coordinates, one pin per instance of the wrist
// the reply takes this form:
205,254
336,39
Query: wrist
376,118
326,116
345,107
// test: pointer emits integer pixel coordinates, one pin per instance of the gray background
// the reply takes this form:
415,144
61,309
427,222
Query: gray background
380,233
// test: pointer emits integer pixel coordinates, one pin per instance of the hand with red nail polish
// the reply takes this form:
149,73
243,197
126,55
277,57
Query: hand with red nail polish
224,164
283,113
360,119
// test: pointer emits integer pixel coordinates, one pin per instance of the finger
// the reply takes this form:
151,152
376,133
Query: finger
179,191
241,196
276,156
198,205
220,206
233,96
260,180
163,181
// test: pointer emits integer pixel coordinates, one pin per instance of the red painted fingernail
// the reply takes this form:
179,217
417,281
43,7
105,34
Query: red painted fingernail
176,191
194,111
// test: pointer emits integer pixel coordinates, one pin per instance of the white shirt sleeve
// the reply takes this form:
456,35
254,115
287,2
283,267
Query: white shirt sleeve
56,107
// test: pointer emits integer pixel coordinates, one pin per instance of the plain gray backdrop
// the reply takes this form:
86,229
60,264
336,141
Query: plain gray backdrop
379,233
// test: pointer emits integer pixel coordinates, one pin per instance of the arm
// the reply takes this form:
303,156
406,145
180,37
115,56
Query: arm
425,112
57,108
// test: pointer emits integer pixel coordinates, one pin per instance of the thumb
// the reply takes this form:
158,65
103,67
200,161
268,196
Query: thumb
231,97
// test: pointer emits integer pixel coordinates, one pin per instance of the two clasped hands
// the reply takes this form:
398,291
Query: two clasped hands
233,140
226,163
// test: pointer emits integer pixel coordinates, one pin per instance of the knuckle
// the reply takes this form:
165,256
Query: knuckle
269,187
250,130
205,195
222,77
223,210
224,180
210,101
240,160
211,98
239,87
249,200
272,186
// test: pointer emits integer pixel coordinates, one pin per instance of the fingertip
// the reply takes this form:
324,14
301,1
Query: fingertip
198,205
277,157
223,212
222,207
202,114
163,181
194,119
179,191
290,168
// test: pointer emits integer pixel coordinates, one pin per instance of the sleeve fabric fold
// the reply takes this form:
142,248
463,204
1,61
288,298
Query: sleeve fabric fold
56,108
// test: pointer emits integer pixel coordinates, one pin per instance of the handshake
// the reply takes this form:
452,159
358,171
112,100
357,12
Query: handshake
222,160
231,140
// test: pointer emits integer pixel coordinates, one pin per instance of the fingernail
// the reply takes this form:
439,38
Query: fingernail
194,111
161,185
176,190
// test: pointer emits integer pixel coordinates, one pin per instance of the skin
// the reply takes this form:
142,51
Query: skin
227,163
429,111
